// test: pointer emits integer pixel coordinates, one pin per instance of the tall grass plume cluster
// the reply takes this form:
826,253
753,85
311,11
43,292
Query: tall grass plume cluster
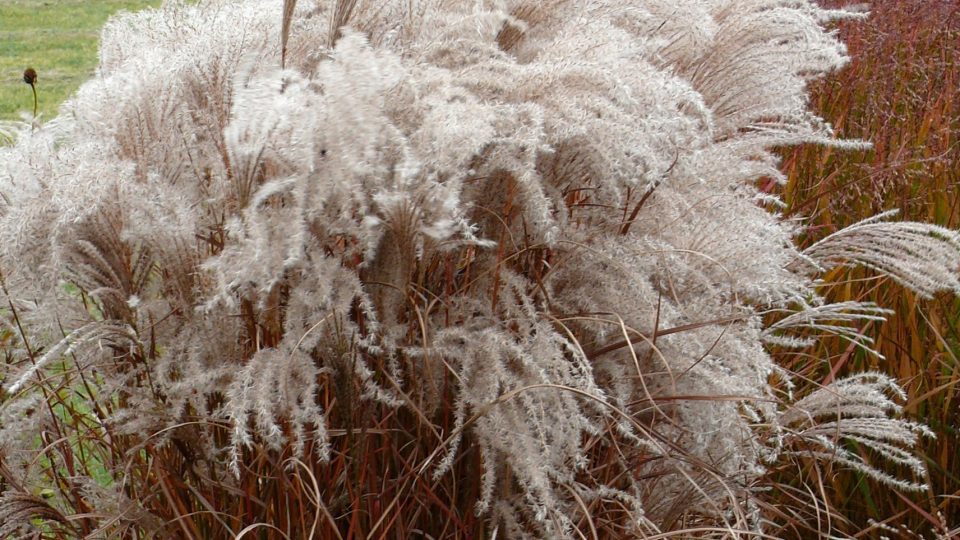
448,269
900,92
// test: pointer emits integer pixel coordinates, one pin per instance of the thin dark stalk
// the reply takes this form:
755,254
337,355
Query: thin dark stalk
341,16
288,7
30,77
676,329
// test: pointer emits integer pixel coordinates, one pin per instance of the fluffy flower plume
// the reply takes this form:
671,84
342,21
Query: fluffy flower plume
530,229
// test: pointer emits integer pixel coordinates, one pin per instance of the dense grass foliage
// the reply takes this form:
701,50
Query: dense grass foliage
59,40
901,91
458,269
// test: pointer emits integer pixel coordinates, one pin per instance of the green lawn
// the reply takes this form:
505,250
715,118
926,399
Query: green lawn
59,39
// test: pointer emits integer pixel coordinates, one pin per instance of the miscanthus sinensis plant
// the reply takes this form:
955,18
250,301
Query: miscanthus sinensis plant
449,268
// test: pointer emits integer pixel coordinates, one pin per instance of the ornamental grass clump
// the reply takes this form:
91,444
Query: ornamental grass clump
899,91
452,269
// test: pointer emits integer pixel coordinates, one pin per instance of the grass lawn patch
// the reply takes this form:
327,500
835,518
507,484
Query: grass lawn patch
59,39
